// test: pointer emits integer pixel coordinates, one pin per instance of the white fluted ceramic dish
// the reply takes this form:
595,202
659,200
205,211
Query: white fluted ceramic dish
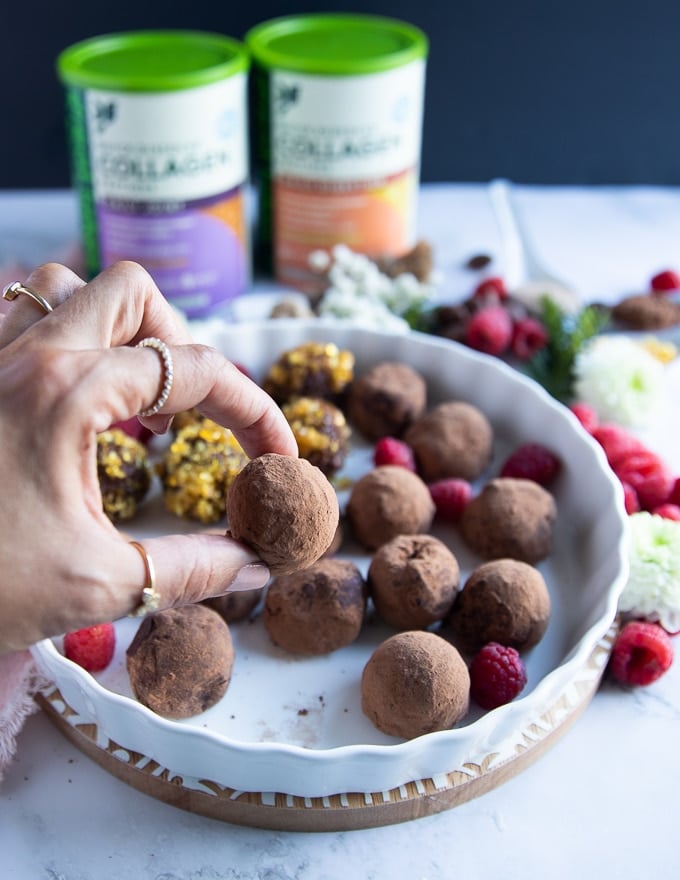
294,725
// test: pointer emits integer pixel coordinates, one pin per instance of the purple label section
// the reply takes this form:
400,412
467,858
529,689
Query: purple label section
197,260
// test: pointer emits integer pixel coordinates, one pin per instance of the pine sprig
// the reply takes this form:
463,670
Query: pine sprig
553,366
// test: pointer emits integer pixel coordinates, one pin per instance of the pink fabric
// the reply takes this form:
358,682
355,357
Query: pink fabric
19,680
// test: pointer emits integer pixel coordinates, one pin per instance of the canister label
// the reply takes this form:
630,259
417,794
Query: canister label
345,161
167,173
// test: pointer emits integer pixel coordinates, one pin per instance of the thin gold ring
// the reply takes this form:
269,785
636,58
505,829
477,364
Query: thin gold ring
150,599
12,291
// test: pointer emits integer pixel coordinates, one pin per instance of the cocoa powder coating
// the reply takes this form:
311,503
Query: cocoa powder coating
415,683
413,581
386,502
285,509
180,661
386,399
454,439
236,605
504,601
317,610
645,312
510,517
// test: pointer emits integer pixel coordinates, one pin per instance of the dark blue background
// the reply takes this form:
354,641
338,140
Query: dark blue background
540,92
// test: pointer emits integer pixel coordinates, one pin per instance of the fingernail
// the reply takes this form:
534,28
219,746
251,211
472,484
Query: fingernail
250,577
162,426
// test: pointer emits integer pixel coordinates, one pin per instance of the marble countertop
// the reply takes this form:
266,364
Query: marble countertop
603,800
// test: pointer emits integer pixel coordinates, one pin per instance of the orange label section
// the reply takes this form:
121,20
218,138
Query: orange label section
374,218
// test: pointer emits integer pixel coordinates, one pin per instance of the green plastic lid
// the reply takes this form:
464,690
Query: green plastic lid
151,61
335,44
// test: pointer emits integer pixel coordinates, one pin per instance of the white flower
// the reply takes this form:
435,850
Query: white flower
619,378
319,260
359,290
653,588
363,311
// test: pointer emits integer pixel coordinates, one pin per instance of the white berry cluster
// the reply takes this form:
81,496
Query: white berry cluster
359,291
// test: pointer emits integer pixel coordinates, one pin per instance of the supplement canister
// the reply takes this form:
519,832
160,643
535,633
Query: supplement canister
336,113
159,149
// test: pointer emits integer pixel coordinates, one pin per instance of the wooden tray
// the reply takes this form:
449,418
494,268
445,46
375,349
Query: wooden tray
339,812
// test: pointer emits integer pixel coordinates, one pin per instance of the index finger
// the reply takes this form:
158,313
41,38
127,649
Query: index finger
119,306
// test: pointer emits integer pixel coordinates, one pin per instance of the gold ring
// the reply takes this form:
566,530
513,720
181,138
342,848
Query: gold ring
12,291
163,350
150,599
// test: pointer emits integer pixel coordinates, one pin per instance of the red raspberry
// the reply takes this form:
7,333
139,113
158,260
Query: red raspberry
92,647
674,497
451,496
641,654
617,442
389,450
493,285
528,337
665,281
532,461
587,415
668,511
134,428
630,498
489,330
497,675
648,475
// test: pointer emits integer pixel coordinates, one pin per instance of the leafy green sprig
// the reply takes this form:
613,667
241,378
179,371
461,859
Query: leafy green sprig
553,365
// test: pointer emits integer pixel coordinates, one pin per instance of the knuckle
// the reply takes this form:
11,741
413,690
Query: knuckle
48,276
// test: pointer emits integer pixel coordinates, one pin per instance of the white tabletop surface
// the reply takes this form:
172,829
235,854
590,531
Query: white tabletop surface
604,801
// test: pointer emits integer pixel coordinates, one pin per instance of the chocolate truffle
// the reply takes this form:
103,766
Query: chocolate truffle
645,312
321,432
510,517
124,473
413,581
386,502
415,683
312,369
180,661
503,601
235,605
454,439
317,610
285,509
198,468
386,400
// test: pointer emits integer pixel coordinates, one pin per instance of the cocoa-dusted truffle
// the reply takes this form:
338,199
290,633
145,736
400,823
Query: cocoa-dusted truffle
311,369
454,439
285,509
505,601
124,473
386,502
646,312
384,401
415,683
317,610
320,430
235,605
180,661
510,517
413,581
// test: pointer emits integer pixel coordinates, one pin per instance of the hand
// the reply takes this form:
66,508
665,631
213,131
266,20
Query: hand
66,376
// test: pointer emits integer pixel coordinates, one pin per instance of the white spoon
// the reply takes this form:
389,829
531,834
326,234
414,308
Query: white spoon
527,278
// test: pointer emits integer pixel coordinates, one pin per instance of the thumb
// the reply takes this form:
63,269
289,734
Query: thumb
189,568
